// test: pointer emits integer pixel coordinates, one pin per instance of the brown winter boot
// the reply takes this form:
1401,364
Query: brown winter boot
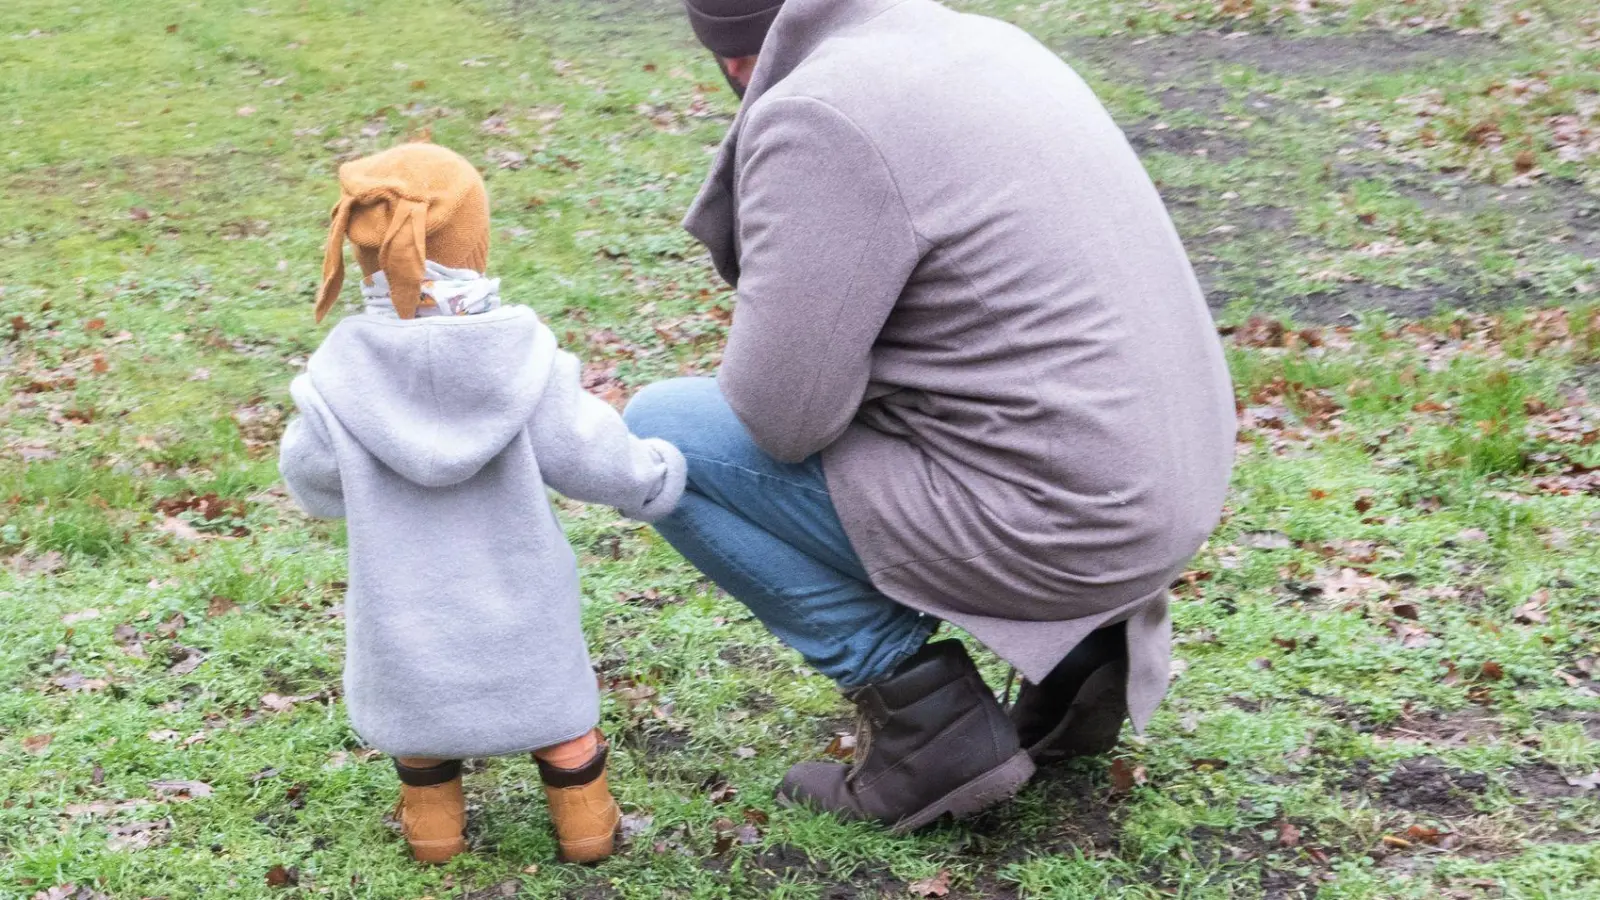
931,740
585,815
1079,708
432,812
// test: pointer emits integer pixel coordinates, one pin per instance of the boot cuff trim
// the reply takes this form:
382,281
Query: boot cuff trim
446,771
557,777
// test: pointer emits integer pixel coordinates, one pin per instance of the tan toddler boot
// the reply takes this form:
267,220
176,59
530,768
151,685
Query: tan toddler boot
432,811
582,809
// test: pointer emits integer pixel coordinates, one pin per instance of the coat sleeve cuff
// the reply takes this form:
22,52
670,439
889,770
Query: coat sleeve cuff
677,476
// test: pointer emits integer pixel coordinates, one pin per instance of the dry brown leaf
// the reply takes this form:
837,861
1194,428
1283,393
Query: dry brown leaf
179,529
36,744
135,835
1125,776
1288,834
44,564
1533,611
937,886
70,891
1585,782
191,661
180,790
173,624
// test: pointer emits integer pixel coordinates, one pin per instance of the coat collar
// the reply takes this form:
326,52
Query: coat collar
801,27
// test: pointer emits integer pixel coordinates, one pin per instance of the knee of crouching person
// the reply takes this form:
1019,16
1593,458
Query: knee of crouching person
675,410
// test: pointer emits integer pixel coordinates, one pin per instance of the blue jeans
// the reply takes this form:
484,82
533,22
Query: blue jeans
768,534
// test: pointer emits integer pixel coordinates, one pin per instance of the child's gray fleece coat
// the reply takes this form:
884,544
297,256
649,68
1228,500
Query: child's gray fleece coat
436,439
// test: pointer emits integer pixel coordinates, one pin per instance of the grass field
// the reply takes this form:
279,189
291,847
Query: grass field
1388,675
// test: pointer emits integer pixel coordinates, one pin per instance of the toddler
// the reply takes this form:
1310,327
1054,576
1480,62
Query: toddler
433,423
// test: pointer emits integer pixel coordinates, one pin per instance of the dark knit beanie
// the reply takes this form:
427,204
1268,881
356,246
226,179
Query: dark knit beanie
732,28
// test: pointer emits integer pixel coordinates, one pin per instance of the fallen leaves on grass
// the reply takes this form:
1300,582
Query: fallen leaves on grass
728,833
600,379
280,876
1346,584
842,747
82,615
1533,611
70,891
506,159
179,529
170,626
635,824
47,563
1266,540
78,683
180,791
1288,834
220,606
279,703
1264,332
260,426
102,807
36,744
136,836
1409,635
208,507
1585,782
936,886
718,790
1433,837
1125,776
190,660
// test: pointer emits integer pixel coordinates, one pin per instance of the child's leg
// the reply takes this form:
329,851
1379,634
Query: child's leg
433,811
581,806
573,753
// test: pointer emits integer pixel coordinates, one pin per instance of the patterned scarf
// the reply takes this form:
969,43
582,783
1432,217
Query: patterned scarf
445,292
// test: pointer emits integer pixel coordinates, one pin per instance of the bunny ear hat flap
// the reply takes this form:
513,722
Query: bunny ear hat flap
401,208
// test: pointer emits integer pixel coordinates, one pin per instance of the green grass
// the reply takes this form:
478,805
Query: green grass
1387,652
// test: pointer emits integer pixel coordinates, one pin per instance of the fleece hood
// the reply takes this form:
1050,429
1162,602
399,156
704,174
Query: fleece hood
434,399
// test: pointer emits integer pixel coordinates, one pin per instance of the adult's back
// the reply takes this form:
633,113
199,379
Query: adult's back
957,282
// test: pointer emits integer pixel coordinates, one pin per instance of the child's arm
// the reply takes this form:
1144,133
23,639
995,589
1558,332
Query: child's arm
587,453
306,460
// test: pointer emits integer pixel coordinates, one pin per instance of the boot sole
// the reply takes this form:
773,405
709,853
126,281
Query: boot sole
994,786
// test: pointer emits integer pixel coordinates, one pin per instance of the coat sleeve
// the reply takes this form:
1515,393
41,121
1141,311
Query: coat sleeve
826,248
307,462
586,452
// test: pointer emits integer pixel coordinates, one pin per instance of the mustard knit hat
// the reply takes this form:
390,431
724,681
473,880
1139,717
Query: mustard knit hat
401,207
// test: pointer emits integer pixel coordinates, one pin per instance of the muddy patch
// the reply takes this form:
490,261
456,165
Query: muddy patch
1543,783
1207,143
656,742
1430,787
1589,719
1344,303
1472,726
1184,58
1562,213
1284,872
1090,826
